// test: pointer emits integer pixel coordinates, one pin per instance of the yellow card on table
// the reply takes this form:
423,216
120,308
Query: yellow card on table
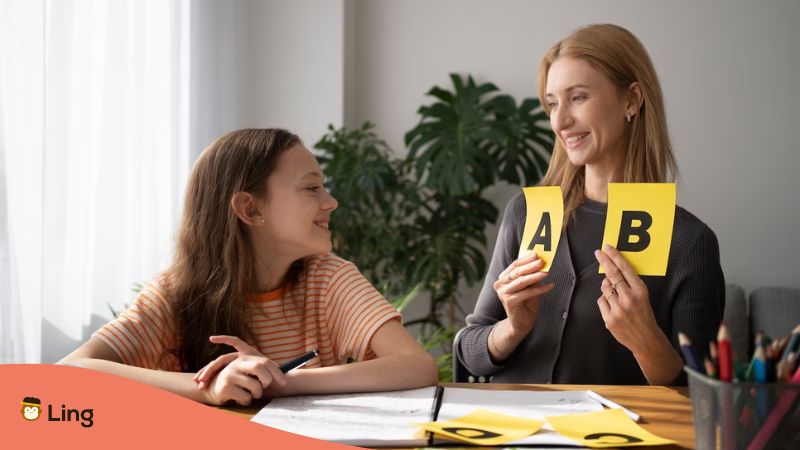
602,429
545,215
482,427
639,224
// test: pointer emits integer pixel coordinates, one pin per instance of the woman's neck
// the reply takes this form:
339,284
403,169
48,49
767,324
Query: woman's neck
596,182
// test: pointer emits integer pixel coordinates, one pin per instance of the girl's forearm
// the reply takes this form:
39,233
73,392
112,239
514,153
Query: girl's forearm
401,371
175,382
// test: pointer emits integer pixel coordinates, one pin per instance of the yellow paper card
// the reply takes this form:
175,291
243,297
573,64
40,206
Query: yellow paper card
543,223
602,429
482,427
639,224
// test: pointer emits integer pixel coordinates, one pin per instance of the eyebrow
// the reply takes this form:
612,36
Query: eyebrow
571,88
314,174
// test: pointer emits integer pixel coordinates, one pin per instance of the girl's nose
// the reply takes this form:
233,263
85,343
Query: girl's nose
329,203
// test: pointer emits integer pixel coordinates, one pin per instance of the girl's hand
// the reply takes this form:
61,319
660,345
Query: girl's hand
240,376
625,303
519,290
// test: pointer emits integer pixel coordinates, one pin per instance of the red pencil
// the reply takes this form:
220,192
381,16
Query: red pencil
724,351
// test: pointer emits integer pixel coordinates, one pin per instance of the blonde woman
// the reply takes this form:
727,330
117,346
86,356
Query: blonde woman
254,286
574,325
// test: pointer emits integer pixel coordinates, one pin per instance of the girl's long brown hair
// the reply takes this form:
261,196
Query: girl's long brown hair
618,54
214,265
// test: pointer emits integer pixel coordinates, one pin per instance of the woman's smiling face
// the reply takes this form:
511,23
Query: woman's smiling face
587,112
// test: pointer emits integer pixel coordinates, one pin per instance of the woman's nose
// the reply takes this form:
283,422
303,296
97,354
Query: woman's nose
560,119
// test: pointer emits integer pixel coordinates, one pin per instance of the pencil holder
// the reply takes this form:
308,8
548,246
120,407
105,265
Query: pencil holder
744,415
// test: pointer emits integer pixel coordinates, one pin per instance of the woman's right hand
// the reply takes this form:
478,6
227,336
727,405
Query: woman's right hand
519,289
240,376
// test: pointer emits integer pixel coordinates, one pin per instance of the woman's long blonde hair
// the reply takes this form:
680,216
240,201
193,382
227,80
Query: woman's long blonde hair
214,266
618,54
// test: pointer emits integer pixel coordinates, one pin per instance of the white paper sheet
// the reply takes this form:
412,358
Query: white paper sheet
373,419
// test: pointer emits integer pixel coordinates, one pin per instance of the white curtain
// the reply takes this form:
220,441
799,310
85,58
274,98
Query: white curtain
94,154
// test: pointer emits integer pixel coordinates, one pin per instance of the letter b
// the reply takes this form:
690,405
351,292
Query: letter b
627,230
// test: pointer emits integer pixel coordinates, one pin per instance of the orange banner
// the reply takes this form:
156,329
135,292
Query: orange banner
48,406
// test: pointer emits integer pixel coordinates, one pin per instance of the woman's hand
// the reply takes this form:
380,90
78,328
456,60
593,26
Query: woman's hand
625,307
240,376
625,303
519,290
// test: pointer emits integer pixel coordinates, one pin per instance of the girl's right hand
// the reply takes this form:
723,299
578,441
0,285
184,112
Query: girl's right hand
240,376
519,290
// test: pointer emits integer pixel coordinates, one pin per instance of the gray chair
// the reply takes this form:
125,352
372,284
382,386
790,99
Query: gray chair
737,320
774,310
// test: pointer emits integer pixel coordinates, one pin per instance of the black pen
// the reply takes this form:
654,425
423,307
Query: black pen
297,362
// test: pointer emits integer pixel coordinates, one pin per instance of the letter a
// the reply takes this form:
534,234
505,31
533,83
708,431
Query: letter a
626,230
543,233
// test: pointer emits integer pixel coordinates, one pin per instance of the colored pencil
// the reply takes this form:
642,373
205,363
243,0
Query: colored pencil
688,354
724,350
785,405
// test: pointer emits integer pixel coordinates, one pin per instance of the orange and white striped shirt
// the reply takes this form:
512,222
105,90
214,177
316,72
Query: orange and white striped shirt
332,308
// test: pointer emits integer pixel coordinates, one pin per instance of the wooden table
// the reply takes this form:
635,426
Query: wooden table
666,411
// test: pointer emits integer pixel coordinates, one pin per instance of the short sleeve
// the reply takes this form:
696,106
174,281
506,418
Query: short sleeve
142,333
354,310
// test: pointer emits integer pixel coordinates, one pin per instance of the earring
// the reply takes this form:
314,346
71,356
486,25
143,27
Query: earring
262,221
628,117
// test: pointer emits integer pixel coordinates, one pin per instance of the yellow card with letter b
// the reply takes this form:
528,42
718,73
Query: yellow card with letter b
639,224
545,216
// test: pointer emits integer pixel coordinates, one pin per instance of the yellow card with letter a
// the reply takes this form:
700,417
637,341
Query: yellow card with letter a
481,427
639,224
545,215
603,429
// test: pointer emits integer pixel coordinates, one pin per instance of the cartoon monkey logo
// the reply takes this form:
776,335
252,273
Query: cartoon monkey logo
31,408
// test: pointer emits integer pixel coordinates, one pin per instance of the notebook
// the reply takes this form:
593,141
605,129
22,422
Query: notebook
389,419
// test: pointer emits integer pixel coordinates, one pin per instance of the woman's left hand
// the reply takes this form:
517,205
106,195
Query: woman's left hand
625,303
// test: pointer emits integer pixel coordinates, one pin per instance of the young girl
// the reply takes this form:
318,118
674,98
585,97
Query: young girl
253,271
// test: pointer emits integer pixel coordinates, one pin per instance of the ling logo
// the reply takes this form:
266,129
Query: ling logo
31,408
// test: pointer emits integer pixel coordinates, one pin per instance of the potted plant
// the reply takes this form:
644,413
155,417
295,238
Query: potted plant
418,223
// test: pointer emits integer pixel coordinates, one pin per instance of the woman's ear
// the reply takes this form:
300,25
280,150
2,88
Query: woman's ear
635,98
246,209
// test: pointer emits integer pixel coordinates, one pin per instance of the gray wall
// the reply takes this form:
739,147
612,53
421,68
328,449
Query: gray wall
728,70
726,66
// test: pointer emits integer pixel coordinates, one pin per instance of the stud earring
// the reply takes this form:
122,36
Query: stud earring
628,117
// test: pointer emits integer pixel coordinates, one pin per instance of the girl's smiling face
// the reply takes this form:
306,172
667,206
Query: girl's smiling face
297,207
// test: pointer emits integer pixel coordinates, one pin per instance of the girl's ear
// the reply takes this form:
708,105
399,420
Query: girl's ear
245,207
635,98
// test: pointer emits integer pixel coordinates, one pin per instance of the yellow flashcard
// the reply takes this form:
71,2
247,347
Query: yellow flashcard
482,427
545,216
602,429
639,224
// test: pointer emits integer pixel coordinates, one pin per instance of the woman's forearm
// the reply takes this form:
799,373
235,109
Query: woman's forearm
175,382
502,341
394,372
659,361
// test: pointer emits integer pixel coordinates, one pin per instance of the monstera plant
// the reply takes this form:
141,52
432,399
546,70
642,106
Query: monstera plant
418,224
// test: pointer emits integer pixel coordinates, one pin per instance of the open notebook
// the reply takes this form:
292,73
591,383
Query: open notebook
388,419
